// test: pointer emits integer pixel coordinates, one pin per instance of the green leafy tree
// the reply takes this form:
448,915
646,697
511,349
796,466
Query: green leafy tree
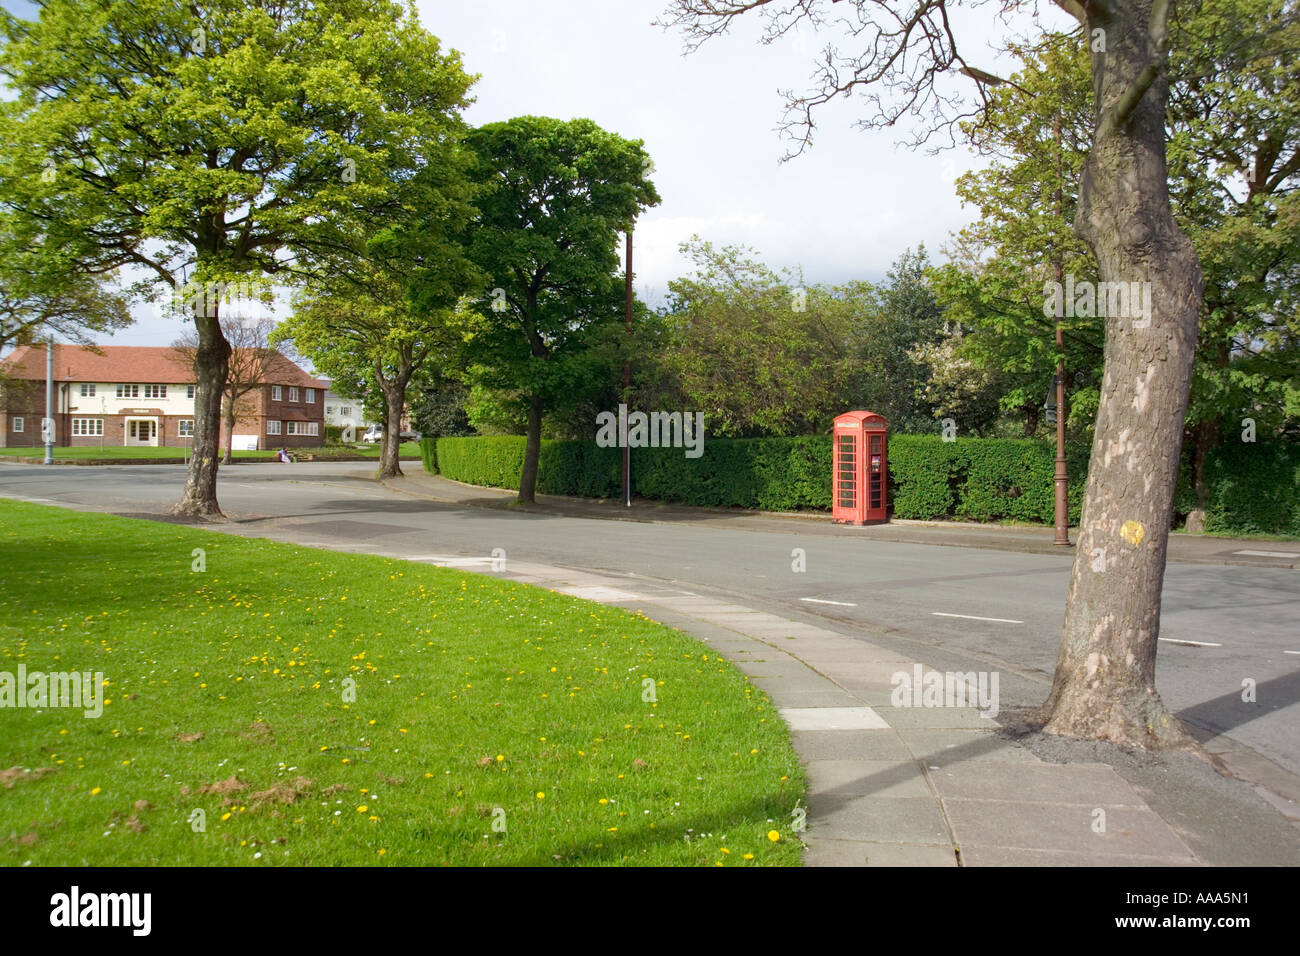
759,353
546,239
226,142
1234,149
40,295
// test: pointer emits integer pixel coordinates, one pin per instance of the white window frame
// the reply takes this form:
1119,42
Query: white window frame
19,423
155,391
190,390
293,393
313,428
88,427
272,426
345,411
128,391
87,390
310,396
180,428
275,393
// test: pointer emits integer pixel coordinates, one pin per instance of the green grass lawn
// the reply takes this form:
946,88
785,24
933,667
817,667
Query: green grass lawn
479,705
83,452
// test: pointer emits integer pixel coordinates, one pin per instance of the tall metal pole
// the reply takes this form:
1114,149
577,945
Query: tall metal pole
1062,479
48,425
627,367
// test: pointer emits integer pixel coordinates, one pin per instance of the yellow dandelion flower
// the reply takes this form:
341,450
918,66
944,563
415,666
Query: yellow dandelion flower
773,835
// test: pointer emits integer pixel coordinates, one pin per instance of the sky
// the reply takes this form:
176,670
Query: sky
845,209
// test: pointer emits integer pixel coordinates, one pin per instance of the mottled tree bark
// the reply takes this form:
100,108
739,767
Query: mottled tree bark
1104,686
211,365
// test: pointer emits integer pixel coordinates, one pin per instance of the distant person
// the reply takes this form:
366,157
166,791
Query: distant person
284,456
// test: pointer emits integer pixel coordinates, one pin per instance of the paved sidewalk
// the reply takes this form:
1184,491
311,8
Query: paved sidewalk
1183,548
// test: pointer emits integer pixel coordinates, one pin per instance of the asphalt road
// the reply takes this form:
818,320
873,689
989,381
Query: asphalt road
948,607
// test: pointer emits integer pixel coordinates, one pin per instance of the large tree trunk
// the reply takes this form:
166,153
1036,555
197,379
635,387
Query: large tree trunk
211,365
394,390
532,452
1104,686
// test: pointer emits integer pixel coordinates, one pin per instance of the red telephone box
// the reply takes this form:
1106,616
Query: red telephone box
860,469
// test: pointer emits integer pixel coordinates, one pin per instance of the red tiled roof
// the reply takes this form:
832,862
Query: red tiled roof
156,365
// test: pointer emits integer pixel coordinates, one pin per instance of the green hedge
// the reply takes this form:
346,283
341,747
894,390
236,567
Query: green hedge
429,454
1256,487
978,479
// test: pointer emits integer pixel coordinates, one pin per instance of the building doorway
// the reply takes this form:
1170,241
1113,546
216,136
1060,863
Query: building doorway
141,432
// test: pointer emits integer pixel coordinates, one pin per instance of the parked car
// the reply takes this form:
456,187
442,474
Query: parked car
375,433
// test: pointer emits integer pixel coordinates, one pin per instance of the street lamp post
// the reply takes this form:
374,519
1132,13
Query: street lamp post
627,369
1055,409
47,426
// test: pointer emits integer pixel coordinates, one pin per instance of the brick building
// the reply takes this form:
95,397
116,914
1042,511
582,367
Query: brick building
137,396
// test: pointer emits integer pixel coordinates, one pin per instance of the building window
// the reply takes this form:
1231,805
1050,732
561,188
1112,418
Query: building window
329,409
275,393
310,397
87,390
345,411
272,428
291,428
18,423
185,428
189,391
155,391
128,391
313,428
88,427
293,393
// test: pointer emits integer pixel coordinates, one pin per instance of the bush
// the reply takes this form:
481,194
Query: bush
333,434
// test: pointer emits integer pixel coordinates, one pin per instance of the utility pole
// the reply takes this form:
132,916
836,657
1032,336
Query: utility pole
627,368
1062,478
47,426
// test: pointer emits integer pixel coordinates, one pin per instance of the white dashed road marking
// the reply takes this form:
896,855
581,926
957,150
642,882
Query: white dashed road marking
836,603
972,617
1170,640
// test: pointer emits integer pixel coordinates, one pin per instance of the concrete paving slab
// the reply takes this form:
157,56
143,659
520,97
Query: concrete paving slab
1091,785
1014,856
815,698
850,745
877,819
937,718
945,747
832,718
861,853
1051,826
882,778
